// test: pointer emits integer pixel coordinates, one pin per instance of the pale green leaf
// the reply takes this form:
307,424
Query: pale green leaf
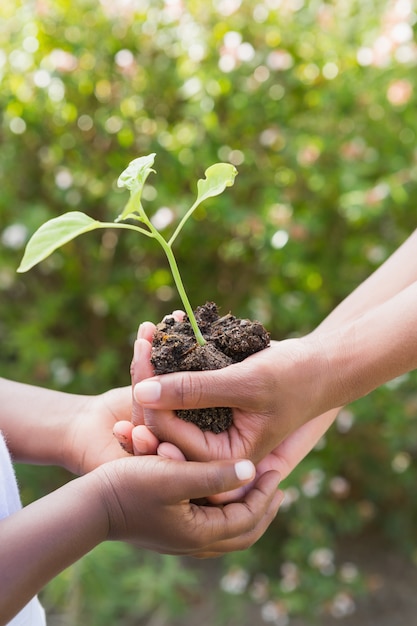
53,234
133,178
217,178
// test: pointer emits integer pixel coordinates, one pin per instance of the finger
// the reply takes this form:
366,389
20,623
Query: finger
144,441
146,331
235,526
200,480
195,444
231,496
247,539
167,450
241,524
122,431
178,315
229,386
269,463
141,368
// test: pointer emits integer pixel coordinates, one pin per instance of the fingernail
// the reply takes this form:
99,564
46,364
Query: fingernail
244,470
147,391
140,331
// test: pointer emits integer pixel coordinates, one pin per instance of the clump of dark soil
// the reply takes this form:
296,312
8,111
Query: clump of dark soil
229,340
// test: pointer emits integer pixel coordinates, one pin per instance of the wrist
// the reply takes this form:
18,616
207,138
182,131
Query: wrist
325,372
109,488
306,385
363,354
77,413
370,349
334,350
90,509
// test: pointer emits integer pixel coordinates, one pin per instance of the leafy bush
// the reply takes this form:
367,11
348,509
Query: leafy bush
313,102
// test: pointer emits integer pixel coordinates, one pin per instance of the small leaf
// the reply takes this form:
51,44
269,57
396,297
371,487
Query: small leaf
134,178
53,234
136,172
218,177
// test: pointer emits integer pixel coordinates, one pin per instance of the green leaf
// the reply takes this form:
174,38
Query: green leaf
53,234
134,178
218,177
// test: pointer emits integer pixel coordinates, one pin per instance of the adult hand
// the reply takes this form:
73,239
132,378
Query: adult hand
273,393
141,441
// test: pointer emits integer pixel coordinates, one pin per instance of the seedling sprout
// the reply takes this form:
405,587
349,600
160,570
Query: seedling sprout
60,230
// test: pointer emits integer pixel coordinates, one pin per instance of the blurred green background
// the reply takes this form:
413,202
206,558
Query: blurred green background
314,103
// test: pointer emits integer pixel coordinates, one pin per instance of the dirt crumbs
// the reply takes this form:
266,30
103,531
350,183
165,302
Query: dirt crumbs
229,340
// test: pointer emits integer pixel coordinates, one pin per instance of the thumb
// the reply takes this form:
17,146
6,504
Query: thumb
201,480
229,386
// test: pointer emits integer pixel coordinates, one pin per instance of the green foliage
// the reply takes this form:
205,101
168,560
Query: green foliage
314,103
143,585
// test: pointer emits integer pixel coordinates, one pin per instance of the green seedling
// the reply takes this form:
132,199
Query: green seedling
60,230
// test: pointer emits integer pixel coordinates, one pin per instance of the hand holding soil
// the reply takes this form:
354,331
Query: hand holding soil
228,340
277,391
262,389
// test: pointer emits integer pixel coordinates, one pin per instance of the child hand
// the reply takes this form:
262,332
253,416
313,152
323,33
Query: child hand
150,501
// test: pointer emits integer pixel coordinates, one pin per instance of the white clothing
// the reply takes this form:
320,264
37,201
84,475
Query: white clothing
32,614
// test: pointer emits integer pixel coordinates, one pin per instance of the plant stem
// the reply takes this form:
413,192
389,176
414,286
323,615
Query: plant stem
127,226
177,278
182,222
181,290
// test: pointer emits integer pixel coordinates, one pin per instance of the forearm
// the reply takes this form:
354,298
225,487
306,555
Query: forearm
371,350
45,537
360,355
33,421
398,272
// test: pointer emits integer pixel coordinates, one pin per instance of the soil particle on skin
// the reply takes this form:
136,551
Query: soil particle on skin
229,340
